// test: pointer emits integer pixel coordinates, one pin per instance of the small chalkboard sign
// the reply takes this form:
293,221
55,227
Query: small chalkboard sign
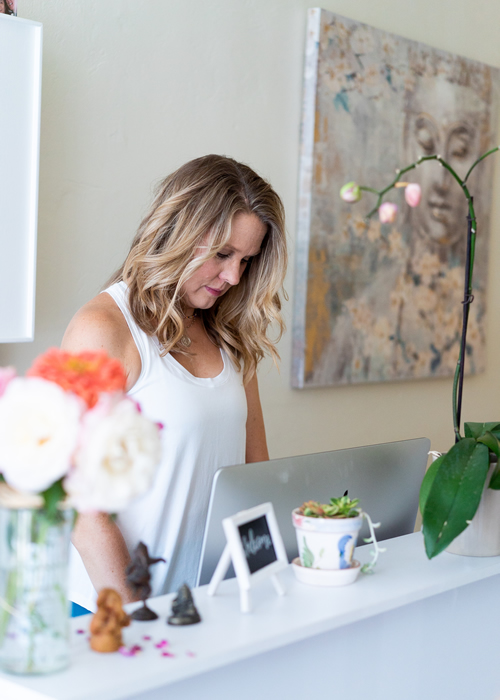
257,543
255,547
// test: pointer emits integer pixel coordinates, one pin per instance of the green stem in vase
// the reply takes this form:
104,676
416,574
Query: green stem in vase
7,608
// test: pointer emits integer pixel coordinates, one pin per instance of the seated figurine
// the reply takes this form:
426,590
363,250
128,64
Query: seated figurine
106,625
184,611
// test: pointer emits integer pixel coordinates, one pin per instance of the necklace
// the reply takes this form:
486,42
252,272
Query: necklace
186,341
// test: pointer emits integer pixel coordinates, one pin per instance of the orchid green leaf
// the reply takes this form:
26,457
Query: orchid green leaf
491,442
495,479
428,481
454,494
477,430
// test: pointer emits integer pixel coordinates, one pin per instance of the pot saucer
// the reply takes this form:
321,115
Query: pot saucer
325,577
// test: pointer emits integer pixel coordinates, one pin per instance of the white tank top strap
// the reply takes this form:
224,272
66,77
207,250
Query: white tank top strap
119,293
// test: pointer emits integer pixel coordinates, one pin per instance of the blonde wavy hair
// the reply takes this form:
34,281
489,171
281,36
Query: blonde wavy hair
201,199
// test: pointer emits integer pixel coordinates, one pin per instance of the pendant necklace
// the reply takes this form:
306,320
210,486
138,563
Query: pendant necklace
186,341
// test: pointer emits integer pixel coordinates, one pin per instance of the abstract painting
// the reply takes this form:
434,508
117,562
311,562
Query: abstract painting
378,302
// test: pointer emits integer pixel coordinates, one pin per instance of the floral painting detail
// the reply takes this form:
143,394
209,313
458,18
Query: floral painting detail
307,555
86,374
376,300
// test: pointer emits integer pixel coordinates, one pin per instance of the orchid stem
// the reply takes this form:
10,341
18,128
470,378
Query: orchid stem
458,379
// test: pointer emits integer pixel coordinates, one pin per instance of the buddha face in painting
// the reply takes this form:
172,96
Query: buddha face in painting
446,119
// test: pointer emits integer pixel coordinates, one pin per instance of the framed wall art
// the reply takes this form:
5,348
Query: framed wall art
382,302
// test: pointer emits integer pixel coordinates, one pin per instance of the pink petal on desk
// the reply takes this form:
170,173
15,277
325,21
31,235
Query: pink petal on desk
147,638
168,653
125,651
191,654
163,643
80,631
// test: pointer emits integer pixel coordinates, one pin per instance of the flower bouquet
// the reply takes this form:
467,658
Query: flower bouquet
459,481
70,441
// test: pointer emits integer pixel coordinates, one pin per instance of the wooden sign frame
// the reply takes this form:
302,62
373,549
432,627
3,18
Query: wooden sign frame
235,551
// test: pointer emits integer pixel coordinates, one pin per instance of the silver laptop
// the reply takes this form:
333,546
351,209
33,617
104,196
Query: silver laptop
386,478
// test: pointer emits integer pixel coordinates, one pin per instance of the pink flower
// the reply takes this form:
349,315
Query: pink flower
6,375
413,194
350,192
387,212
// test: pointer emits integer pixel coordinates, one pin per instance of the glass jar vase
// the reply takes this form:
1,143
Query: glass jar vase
34,613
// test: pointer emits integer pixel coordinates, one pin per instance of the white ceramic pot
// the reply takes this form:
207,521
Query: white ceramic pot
482,537
326,543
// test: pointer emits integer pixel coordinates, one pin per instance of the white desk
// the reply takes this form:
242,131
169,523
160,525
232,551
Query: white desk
414,630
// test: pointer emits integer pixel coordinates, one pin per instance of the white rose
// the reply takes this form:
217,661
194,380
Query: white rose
116,460
39,427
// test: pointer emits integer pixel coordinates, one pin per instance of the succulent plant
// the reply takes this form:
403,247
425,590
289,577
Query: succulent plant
342,507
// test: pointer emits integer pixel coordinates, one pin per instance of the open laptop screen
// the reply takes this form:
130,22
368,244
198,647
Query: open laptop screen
386,478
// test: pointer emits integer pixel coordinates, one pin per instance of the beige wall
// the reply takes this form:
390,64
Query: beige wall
131,90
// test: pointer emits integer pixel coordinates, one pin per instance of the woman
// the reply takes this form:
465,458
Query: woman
187,315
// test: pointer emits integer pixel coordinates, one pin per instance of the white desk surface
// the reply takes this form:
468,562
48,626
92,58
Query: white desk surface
403,576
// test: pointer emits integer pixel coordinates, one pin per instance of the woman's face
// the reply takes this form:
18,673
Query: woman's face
224,271
2,7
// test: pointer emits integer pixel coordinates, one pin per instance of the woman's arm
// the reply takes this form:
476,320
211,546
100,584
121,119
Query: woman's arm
103,551
256,449
100,325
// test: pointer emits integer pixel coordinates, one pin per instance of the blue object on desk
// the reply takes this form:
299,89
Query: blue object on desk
77,610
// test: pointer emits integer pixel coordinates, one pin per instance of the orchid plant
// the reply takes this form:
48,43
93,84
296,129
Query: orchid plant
453,485
68,432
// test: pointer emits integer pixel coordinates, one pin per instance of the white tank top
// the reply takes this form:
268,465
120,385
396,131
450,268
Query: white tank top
204,428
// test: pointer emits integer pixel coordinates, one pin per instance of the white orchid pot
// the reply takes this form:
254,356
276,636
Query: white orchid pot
326,543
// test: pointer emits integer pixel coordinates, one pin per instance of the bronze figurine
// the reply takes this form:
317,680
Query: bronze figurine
184,611
138,579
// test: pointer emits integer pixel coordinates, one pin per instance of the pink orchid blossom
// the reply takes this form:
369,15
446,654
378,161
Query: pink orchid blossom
6,375
413,194
387,213
350,192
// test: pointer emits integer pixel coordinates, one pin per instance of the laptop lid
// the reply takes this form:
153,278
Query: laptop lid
386,478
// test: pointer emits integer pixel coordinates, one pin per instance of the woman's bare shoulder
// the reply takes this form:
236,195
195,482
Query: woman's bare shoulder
100,325
97,325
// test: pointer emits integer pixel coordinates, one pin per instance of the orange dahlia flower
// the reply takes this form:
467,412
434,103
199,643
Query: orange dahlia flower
87,374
